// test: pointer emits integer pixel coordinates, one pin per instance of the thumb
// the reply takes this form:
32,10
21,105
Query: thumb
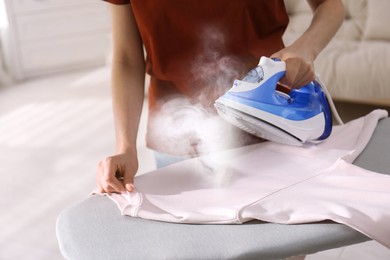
128,181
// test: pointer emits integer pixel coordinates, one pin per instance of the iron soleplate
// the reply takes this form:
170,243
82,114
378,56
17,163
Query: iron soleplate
256,126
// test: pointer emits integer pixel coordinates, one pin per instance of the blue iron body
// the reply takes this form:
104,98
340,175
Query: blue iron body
256,106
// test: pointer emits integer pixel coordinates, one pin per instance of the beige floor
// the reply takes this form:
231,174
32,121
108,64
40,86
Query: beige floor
53,131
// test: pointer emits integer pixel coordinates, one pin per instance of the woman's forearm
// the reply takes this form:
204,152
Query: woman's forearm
127,97
328,16
128,76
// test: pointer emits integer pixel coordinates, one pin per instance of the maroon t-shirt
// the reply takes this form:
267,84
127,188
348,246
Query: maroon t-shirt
196,48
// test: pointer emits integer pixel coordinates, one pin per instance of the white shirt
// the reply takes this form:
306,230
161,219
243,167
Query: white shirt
272,182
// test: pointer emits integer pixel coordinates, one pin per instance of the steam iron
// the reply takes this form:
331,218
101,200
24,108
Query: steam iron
257,107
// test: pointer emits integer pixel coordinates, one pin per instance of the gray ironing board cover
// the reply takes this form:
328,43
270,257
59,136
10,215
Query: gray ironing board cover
95,228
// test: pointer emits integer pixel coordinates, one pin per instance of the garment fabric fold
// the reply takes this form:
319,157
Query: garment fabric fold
272,182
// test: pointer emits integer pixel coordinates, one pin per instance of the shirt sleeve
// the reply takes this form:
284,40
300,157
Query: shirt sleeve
118,2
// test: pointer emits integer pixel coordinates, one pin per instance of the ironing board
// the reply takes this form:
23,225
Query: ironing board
95,229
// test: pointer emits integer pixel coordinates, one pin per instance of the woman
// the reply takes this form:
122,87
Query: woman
194,51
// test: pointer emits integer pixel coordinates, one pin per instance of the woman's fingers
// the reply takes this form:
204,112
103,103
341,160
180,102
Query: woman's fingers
116,173
106,177
299,67
298,73
110,168
128,181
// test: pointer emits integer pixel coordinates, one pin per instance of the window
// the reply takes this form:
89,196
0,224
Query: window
3,15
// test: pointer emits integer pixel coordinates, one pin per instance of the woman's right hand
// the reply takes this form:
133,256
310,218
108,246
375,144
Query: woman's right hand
115,174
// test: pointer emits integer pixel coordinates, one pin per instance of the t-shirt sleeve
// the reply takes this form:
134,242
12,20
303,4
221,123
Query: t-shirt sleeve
118,2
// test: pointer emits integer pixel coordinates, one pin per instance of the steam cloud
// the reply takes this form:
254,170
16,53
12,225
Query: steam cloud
189,126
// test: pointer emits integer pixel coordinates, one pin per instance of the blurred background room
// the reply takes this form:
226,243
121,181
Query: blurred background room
55,107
